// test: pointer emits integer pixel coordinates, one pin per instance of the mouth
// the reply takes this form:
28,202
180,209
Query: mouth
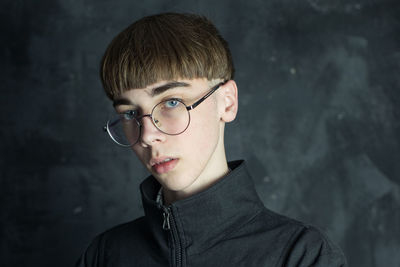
163,165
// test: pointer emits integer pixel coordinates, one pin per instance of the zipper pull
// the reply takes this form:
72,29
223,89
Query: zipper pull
166,225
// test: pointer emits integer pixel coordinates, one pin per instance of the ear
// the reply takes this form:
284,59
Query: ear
229,103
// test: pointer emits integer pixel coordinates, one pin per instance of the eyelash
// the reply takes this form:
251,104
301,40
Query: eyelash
174,98
137,110
125,112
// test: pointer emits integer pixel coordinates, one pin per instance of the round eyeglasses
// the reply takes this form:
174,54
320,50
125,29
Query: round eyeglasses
170,116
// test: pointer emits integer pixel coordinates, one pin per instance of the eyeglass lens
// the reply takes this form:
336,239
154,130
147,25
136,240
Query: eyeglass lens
170,117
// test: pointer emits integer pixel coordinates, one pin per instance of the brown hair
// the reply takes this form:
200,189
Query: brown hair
165,47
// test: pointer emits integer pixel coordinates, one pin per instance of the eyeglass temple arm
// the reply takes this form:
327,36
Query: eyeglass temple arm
204,97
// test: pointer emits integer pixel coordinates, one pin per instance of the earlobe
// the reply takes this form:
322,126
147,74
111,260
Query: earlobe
230,97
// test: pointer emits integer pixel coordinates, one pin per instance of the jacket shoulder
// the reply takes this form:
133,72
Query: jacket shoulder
288,242
124,230
125,235
309,246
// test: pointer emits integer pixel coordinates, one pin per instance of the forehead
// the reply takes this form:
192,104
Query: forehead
155,91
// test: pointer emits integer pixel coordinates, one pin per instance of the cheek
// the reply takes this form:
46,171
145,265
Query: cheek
202,133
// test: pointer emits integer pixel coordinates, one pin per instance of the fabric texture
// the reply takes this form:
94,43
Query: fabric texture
225,225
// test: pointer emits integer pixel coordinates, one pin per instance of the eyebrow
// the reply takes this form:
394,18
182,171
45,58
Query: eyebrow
154,92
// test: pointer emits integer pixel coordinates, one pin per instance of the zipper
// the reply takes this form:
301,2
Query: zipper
170,225
166,224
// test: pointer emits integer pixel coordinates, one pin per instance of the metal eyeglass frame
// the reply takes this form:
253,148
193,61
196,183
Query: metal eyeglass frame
188,108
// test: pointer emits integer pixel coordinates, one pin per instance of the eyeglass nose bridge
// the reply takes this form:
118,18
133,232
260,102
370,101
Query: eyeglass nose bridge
153,121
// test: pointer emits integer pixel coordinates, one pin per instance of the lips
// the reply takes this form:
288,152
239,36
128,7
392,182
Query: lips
160,160
163,164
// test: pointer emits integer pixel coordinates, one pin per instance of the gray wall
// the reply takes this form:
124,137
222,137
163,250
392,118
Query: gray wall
318,120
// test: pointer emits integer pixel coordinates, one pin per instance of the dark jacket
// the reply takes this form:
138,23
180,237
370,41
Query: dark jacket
225,225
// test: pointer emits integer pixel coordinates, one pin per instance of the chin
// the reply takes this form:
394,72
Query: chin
174,182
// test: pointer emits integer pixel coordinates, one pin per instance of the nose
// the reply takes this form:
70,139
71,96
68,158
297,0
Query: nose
150,135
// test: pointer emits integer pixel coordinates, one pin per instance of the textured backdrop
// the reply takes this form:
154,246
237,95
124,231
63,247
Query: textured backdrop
319,92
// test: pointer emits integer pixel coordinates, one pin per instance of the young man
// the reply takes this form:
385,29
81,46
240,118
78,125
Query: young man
170,79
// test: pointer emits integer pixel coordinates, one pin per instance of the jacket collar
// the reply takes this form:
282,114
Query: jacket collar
209,216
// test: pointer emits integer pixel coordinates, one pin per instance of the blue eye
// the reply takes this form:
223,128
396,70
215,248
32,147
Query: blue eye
171,103
129,115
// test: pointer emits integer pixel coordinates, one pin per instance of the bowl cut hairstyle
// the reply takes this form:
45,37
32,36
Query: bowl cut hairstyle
166,46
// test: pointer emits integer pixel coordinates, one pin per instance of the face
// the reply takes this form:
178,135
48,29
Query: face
192,159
